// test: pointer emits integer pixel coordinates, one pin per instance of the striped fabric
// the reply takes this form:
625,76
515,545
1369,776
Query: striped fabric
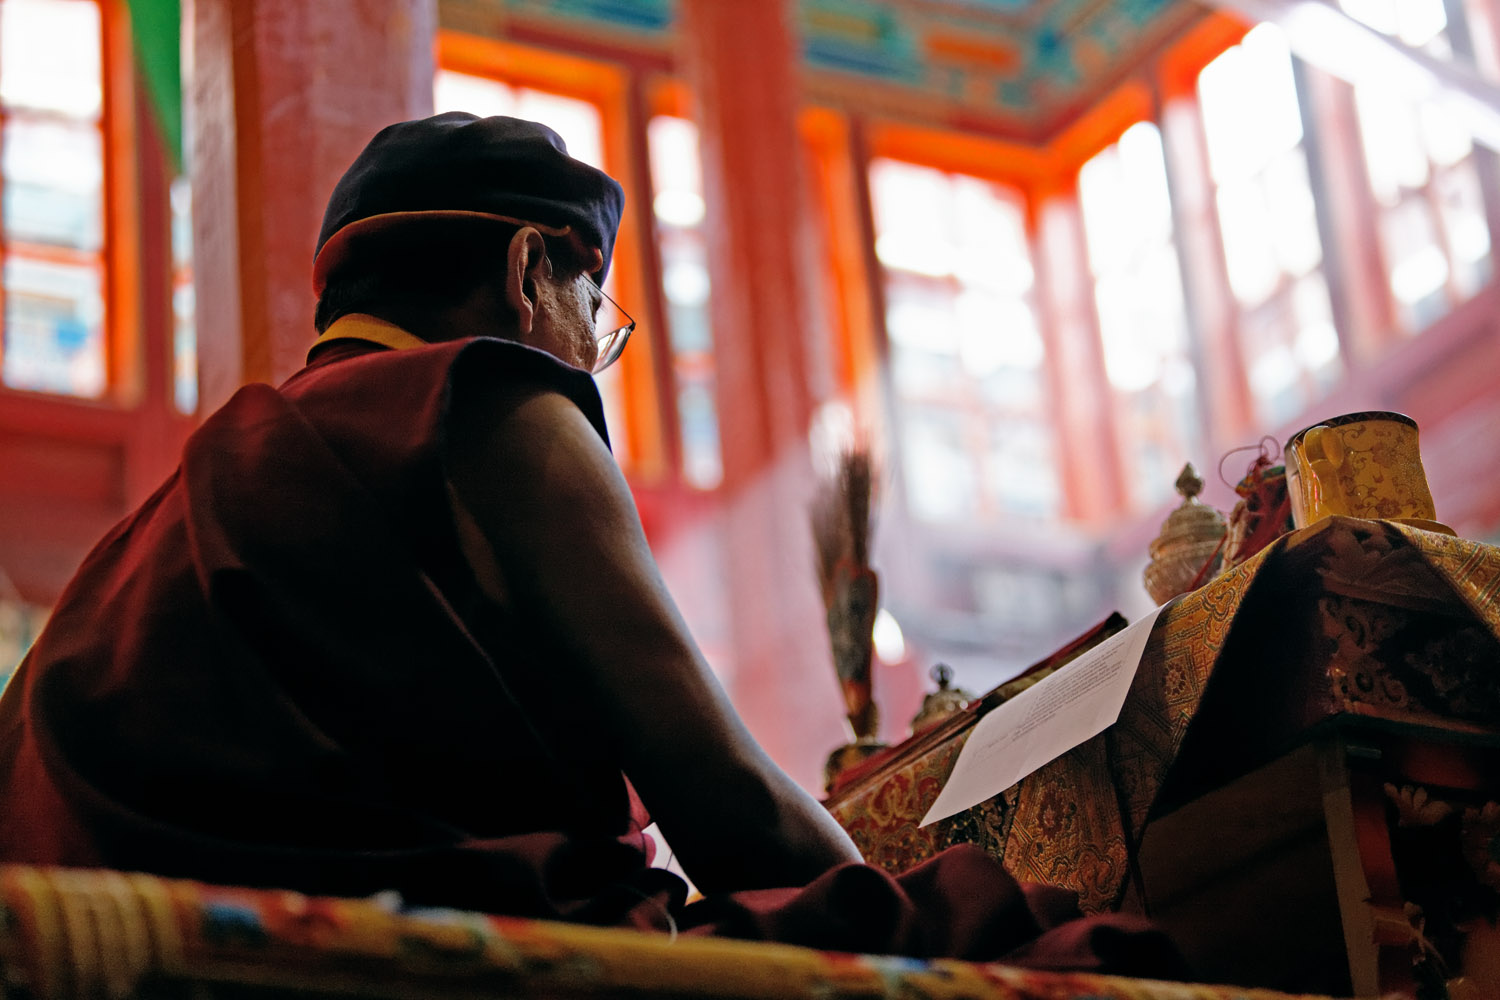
68,934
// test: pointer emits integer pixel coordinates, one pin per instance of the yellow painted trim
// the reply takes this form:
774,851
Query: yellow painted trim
361,326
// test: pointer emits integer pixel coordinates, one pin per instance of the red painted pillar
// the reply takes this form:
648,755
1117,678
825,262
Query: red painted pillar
742,64
741,61
281,95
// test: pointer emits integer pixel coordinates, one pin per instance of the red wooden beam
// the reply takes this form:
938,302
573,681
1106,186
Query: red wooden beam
743,65
282,96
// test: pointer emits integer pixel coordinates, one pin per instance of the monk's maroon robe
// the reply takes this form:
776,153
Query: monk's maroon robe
279,672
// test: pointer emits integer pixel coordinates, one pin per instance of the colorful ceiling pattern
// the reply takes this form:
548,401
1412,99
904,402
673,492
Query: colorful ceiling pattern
645,16
1030,65
1035,63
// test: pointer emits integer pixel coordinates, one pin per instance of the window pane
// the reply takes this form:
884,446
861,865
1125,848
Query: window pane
1142,321
920,315
1414,22
676,172
54,184
1123,191
1274,376
698,411
1392,142
49,56
1418,267
989,239
940,469
1445,139
1378,14
1433,227
1268,223
1317,343
577,121
685,280
53,327
1249,99
52,162
184,348
677,203
184,326
1468,230
475,94
1293,213
1019,470
996,334
912,206
967,353
1421,21
1245,225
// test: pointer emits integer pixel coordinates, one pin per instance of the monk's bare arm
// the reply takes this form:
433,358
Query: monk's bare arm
551,502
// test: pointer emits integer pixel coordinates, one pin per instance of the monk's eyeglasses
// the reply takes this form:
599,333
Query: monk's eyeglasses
611,343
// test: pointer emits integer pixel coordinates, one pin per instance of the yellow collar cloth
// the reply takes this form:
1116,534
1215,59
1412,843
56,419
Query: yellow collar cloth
361,326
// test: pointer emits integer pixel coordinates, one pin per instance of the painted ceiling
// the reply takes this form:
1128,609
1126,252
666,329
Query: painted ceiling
1031,65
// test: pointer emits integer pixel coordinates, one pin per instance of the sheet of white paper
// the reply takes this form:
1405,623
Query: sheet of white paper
1045,721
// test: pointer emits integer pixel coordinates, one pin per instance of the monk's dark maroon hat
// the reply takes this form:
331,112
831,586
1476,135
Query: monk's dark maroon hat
456,166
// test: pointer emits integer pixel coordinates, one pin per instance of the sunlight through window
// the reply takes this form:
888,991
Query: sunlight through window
579,122
677,183
967,353
1433,228
1268,222
1138,290
51,99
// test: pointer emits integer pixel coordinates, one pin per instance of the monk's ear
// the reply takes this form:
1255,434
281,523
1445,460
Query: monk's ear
525,263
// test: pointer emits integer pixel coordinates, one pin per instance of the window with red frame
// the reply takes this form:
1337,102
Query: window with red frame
966,349
677,204
1127,216
1253,121
52,155
1420,158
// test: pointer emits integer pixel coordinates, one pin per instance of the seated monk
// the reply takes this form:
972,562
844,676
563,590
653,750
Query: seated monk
394,625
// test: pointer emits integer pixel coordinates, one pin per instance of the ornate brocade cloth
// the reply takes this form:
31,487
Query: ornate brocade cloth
1346,618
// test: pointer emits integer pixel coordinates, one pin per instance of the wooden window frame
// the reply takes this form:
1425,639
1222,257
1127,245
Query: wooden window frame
852,301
